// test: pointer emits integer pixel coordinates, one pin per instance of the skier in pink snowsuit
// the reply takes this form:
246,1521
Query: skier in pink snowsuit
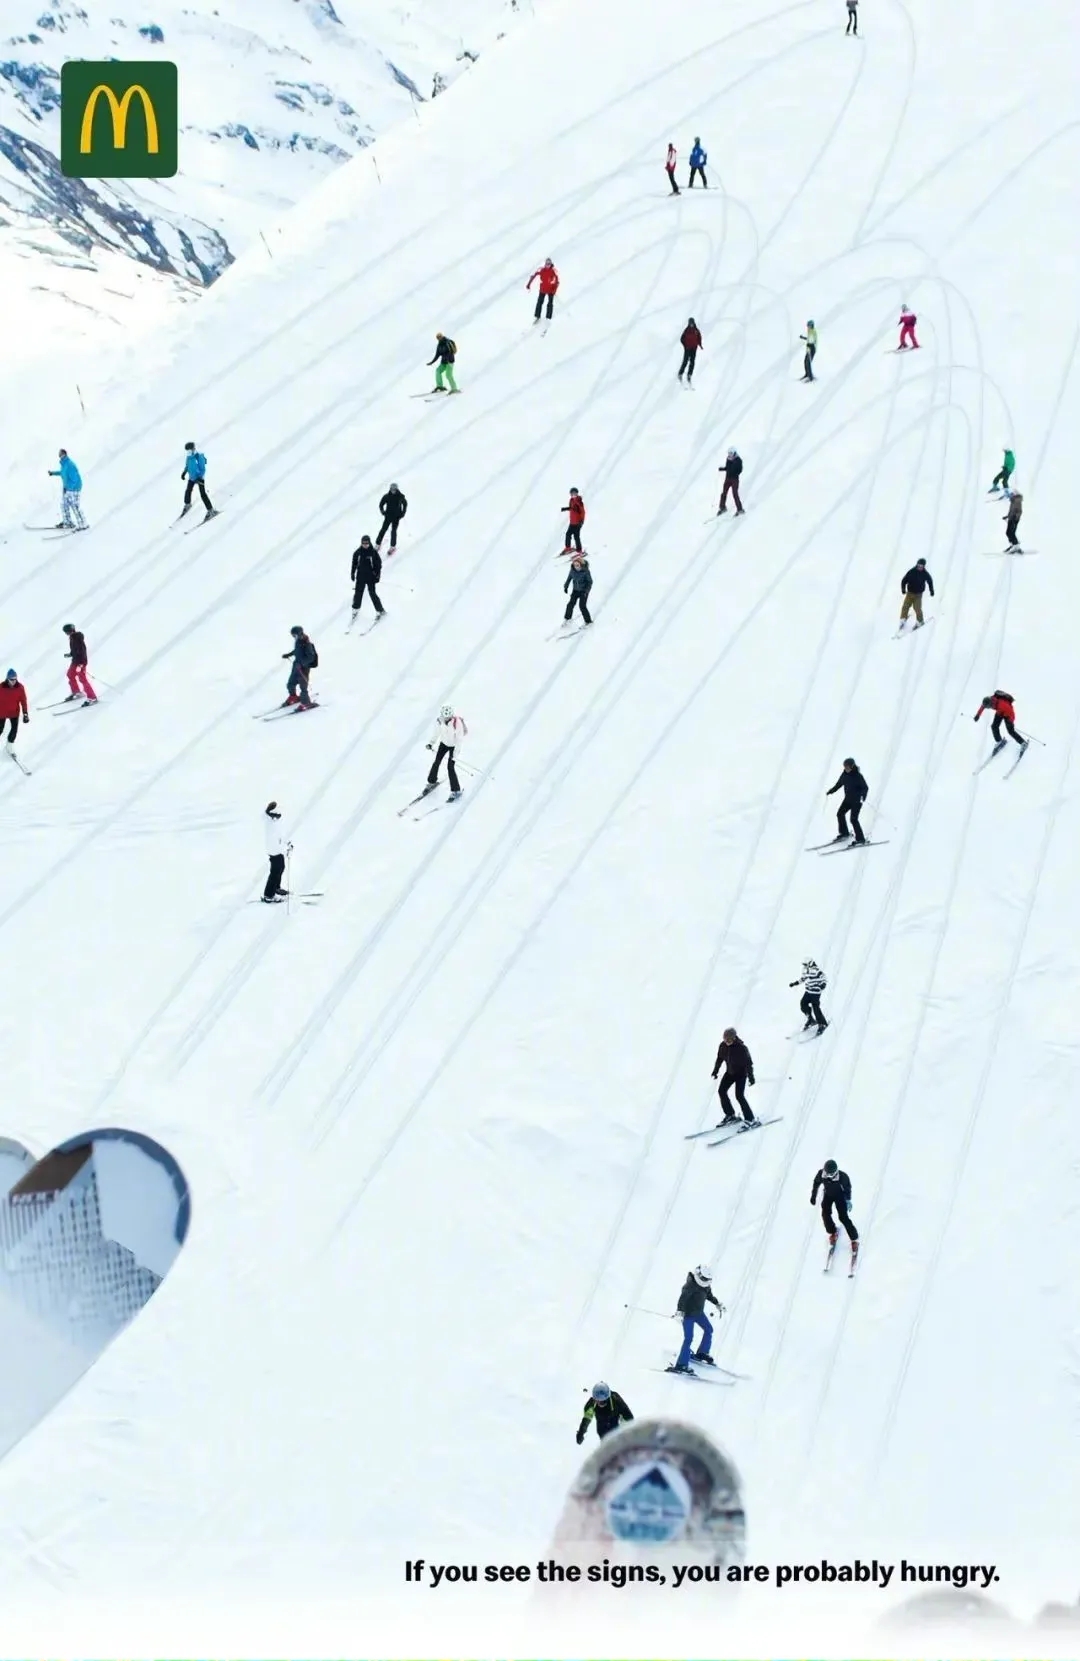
907,329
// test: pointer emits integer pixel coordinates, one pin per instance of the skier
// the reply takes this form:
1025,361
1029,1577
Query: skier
855,789
445,357
810,354
277,848
77,668
913,585
810,1003
669,169
732,470
690,341
698,158
852,17
581,577
366,571
835,1186
1004,474
738,1067
575,507
1012,518
908,321
12,705
195,473
450,732
692,1300
1004,715
549,287
71,487
393,508
304,659
607,1409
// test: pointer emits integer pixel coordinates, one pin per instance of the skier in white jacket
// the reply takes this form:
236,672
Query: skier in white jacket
450,731
277,848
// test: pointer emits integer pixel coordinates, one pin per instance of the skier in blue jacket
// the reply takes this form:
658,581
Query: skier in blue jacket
698,158
71,485
195,474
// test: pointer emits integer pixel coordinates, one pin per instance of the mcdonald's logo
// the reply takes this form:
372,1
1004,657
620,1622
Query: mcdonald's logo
118,120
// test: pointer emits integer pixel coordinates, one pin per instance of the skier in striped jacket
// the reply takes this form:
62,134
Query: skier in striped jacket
814,983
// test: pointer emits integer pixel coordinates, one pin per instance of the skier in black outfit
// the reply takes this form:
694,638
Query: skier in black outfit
738,1066
393,508
835,1186
366,571
581,578
856,790
810,1002
606,1408
913,585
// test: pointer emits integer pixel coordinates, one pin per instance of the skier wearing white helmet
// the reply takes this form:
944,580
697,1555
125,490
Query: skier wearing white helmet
450,731
732,470
692,1300
607,1409
814,983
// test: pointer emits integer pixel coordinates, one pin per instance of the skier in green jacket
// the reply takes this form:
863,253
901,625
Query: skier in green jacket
1001,480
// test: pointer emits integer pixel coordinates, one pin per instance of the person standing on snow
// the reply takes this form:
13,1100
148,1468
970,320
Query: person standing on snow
393,508
71,488
450,732
12,705
1012,518
669,169
732,471
913,584
575,507
691,1306
810,354
606,1409
549,287
835,1187
856,790
1004,474
304,659
445,357
1004,715
738,1066
366,571
276,848
580,577
194,472
852,17
908,321
814,984
691,343
77,668
698,158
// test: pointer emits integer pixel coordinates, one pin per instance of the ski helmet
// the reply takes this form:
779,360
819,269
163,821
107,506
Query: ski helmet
829,1167
808,963
729,1032
809,322
601,1392
69,628
272,809
296,630
61,452
11,675
446,713
703,1275
573,490
549,262
393,487
190,445
732,453
849,761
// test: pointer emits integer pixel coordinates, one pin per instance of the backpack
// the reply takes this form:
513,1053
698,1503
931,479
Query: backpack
314,657
452,345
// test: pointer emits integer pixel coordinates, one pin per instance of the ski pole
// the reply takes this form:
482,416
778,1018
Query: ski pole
1034,740
288,880
639,1309
468,769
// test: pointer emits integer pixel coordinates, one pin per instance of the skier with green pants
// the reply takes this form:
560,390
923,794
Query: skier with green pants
1001,480
445,353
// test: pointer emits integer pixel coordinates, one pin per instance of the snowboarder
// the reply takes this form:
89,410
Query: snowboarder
438,84
606,1408
814,983
393,508
12,705
445,357
732,470
77,668
852,17
1004,716
669,169
810,354
835,1186
1012,518
692,1300
575,507
855,789
450,732
1004,474
913,584
277,849
580,577
738,1066
71,488
304,659
690,341
195,473
549,287
908,321
698,158
366,571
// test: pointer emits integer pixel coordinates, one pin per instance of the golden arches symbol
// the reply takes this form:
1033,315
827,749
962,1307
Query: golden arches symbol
118,108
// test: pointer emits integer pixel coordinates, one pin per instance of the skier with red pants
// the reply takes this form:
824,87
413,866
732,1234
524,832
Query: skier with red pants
576,509
12,705
908,321
549,287
732,471
690,341
76,675
1004,715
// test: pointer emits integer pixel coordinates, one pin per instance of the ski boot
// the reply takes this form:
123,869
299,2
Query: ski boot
675,1368
706,1360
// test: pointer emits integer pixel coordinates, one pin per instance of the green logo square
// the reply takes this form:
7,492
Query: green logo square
118,120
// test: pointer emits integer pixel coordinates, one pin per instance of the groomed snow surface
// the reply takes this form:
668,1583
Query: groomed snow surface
433,1126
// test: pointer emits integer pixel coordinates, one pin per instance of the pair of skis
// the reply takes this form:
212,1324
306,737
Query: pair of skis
285,709
20,765
996,751
831,1252
834,847
424,794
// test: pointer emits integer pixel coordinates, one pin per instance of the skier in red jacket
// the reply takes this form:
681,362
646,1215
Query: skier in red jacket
12,705
576,509
549,287
669,168
1004,714
907,329
690,341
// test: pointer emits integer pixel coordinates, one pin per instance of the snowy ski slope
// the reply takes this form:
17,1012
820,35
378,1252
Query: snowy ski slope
434,1125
